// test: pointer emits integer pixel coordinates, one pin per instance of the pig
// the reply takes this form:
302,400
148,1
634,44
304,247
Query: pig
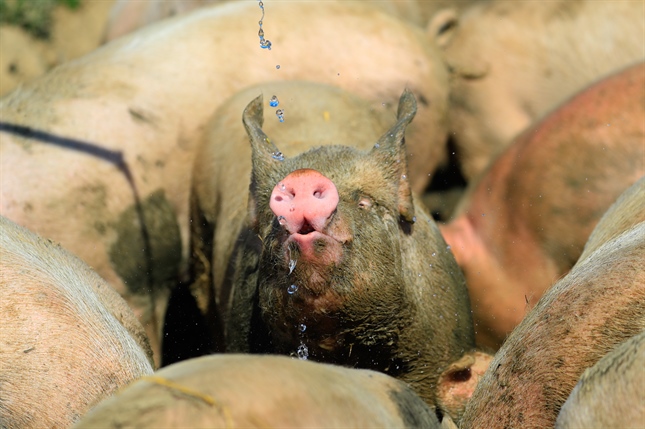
598,305
236,390
97,154
524,223
512,63
67,341
610,393
335,260
128,15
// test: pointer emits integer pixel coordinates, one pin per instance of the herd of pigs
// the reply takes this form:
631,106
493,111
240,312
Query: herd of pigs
328,294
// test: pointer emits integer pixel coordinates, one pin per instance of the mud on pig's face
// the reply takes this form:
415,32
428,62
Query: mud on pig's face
330,221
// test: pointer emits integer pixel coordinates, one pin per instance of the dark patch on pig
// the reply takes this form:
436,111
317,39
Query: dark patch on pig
423,100
147,258
114,157
141,116
13,68
460,376
28,207
413,411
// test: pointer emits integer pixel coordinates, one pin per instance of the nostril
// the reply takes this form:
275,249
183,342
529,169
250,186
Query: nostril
278,198
318,194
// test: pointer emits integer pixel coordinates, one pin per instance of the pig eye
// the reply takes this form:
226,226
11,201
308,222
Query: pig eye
364,203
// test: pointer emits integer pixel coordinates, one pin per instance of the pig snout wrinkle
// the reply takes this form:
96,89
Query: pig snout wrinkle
303,201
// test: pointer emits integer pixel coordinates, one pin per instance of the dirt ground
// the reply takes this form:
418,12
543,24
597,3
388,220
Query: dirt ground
74,33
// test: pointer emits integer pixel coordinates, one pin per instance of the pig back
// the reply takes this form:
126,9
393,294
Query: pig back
610,393
68,339
596,306
271,391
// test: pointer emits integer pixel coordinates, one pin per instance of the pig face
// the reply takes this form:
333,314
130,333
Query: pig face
331,221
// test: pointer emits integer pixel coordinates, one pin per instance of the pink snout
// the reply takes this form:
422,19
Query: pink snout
303,201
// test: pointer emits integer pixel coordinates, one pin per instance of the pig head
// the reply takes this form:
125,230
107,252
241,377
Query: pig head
339,264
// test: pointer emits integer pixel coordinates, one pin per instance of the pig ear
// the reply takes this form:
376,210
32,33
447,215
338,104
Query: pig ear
391,149
458,382
264,154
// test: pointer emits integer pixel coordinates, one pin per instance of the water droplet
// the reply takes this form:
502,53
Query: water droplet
277,66
292,289
282,220
292,265
265,44
434,253
280,114
302,327
403,176
414,219
273,102
377,145
448,247
283,186
302,352
278,155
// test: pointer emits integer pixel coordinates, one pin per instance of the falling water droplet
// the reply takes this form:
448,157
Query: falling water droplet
434,253
303,327
447,247
277,66
280,114
377,145
292,289
292,263
273,102
278,155
414,219
282,220
302,352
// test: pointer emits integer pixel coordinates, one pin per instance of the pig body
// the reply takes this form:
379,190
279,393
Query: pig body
611,393
67,341
356,274
599,304
128,15
513,62
270,391
525,222
118,195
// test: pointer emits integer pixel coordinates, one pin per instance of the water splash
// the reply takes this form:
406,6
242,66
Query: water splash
280,114
292,289
273,102
264,43
302,351
278,155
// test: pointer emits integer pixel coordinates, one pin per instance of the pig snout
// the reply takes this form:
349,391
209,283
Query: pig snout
304,201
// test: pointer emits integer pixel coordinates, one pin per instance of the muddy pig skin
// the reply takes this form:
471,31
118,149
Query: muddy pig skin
611,393
524,223
599,304
67,339
262,391
512,62
338,263
114,133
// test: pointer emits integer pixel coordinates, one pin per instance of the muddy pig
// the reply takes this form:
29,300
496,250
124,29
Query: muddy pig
610,393
114,133
336,261
524,223
513,62
67,339
599,304
262,391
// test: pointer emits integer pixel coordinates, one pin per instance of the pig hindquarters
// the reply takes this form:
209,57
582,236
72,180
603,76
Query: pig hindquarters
67,339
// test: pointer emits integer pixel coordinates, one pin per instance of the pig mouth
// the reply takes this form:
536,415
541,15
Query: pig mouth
313,247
